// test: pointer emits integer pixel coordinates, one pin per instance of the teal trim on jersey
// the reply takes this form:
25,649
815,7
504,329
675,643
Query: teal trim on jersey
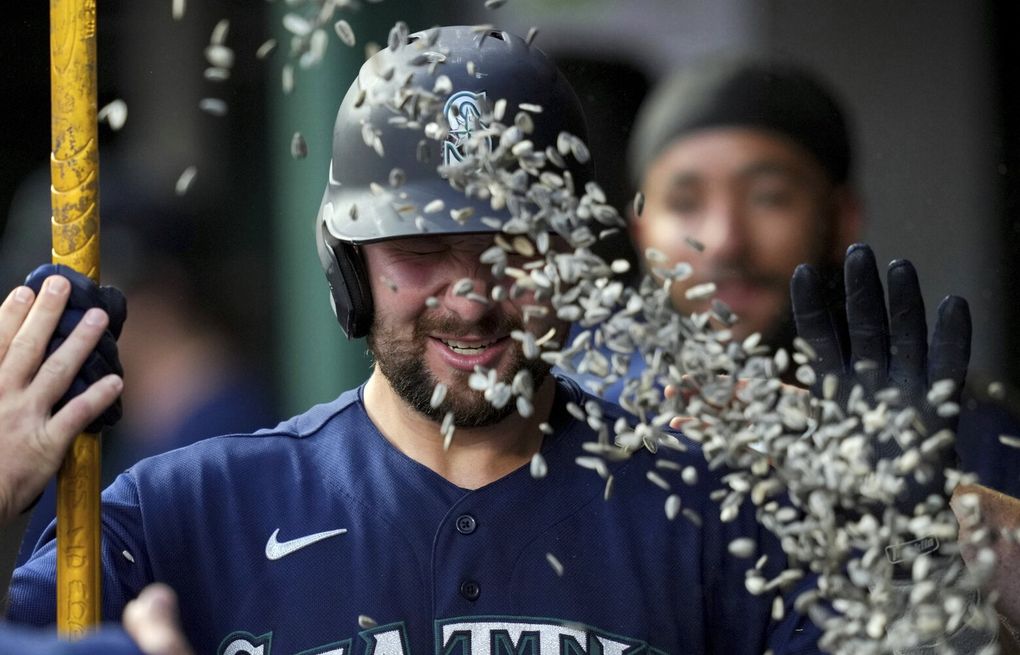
265,642
342,647
405,648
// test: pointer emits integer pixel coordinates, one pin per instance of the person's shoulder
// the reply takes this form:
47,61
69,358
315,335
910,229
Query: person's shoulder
320,427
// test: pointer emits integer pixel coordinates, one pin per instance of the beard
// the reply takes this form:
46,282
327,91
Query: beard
402,361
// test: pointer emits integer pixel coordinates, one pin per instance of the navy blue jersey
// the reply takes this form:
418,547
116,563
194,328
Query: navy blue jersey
284,541
23,641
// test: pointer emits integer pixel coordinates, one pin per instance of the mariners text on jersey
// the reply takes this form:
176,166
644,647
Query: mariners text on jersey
283,542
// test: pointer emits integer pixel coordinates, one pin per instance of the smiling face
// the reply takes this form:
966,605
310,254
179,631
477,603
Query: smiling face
758,203
416,346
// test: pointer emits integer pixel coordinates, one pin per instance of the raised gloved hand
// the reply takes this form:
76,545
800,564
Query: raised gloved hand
876,351
85,294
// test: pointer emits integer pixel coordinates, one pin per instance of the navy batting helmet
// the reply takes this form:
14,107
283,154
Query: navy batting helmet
417,111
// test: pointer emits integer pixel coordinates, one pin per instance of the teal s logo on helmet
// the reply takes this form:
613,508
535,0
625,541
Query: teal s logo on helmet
463,111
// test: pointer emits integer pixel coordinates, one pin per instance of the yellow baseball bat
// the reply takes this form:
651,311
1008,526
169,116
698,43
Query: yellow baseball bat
74,171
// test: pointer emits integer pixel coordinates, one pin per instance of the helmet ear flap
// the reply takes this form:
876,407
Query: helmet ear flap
349,289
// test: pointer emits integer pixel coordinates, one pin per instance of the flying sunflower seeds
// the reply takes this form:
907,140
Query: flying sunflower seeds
346,34
186,179
538,468
213,106
265,49
557,567
114,114
298,147
438,395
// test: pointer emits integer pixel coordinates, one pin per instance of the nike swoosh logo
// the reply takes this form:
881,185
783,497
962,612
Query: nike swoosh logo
277,549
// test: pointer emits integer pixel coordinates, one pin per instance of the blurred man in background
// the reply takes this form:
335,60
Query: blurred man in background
746,170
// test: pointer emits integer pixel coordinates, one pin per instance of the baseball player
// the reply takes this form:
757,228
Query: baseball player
27,464
360,526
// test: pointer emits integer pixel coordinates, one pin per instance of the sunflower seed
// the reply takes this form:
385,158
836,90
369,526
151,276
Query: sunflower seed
499,109
219,55
438,395
494,4
215,74
287,79
344,31
532,33
539,469
463,286
997,390
742,547
186,179
1008,440
435,206
865,366
672,506
213,106
596,464
366,622
557,567
658,480
941,391
948,409
265,49
700,291
298,147
398,36
805,375
694,243
639,204
692,516
580,151
607,491
523,246
219,33
114,113
462,214
804,347
296,24
128,556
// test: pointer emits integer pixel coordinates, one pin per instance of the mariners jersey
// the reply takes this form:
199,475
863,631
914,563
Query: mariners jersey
320,537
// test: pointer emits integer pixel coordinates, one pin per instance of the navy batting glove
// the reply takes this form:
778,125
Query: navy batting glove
86,294
875,350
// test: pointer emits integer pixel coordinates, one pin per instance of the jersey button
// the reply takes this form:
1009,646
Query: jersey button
470,589
466,524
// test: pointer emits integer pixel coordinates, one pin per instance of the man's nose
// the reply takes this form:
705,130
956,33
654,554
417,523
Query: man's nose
468,295
723,232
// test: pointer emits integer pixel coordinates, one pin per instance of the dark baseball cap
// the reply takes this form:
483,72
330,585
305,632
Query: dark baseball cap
772,95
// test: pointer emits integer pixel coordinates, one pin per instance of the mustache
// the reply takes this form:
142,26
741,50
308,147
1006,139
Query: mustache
738,272
451,325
